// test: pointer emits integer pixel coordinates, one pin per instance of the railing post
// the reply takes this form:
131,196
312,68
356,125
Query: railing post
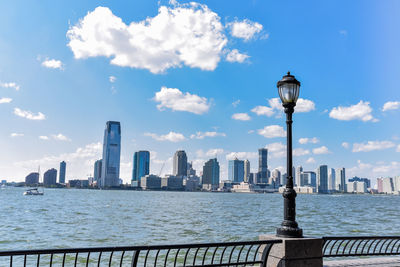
135,258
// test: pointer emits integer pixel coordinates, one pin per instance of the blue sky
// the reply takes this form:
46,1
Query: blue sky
199,77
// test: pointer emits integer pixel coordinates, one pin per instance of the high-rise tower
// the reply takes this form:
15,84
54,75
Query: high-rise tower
111,155
211,172
61,177
236,170
262,176
180,163
141,165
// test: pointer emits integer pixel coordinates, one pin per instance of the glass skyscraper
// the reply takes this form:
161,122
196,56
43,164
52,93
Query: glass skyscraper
141,165
211,172
97,170
236,170
111,155
262,175
322,179
180,163
61,178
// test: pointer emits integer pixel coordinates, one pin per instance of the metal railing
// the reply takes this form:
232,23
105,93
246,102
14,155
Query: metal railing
352,246
251,253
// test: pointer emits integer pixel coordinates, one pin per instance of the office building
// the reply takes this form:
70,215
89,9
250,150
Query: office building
141,166
32,178
331,179
111,155
357,187
262,175
236,170
171,182
211,173
150,182
387,185
341,180
61,177
358,179
50,177
190,170
311,178
275,178
322,179
304,179
246,170
396,184
180,163
299,172
97,171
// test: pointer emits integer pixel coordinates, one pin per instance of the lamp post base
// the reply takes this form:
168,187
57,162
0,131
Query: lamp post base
291,232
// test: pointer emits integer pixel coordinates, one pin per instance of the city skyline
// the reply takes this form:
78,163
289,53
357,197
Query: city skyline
56,96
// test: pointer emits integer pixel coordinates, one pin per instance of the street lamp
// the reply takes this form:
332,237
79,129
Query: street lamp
288,89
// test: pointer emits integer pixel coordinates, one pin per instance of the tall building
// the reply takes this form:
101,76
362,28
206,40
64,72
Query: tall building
299,171
50,177
276,178
32,178
190,170
111,155
341,180
97,171
311,178
331,179
141,165
180,163
236,170
262,176
211,172
322,179
61,177
246,170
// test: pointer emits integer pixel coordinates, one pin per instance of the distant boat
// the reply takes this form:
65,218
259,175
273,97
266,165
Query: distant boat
33,192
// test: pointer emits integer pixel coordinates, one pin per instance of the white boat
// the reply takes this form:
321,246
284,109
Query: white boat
33,192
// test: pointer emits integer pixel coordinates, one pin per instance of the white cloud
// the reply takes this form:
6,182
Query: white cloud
321,150
16,134
361,111
60,137
52,64
214,152
29,115
343,32
241,117
171,136
112,79
10,85
236,103
241,155
236,56
79,163
310,160
202,135
306,140
185,34
391,105
272,131
5,100
276,150
297,152
372,145
345,145
174,99
304,105
250,131
44,137
398,148
245,29
276,108
263,110
380,168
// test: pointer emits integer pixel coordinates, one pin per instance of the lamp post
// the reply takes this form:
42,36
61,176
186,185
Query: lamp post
288,89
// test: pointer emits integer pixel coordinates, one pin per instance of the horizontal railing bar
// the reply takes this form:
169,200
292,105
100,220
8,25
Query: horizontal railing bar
226,264
133,248
359,237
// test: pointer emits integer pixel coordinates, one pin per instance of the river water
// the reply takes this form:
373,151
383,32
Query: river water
88,218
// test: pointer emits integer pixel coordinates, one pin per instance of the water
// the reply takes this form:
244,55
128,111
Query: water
88,218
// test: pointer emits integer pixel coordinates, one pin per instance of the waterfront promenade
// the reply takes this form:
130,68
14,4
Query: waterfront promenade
380,261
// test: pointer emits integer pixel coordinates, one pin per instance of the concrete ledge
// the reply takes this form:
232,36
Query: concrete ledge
295,252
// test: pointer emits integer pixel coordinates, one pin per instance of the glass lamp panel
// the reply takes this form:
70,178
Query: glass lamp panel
289,92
